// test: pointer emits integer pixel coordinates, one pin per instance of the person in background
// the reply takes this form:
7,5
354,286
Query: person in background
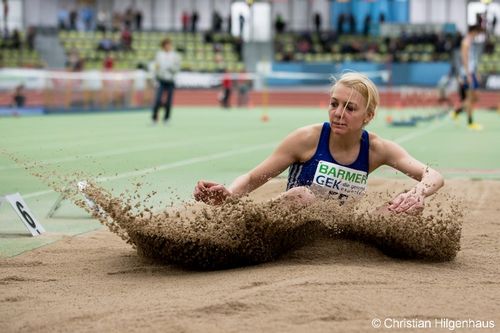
227,86
185,21
74,62
126,39
241,19
19,98
138,19
102,20
216,22
194,21
128,17
366,24
108,62
5,14
106,43
244,84
317,22
15,40
166,65
73,18
469,51
87,15
352,24
63,18
279,24
340,23
30,38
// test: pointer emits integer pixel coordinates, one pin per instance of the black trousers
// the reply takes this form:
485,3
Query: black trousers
163,86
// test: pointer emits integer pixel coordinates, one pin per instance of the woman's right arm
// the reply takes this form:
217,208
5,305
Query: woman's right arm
290,150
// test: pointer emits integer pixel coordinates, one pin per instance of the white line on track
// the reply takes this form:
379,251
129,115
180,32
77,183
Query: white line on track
172,165
416,134
188,161
103,154
239,151
37,194
113,152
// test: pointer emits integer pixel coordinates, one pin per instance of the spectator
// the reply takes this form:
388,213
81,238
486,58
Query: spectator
63,18
87,18
279,24
194,21
227,86
5,39
244,84
138,20
381,18
340,24
216,22
185,21
352,24
304,46
229,22
238,48
116,21
102,20
74,63
367,24
126,39
15,40
73,17
242,24
5,14
108,62
30,38
128,17
317,22
19,97
106,44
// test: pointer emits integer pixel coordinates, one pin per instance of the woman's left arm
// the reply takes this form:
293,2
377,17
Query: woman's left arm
430,180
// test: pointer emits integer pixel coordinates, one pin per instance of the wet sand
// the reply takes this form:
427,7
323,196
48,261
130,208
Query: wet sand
98,282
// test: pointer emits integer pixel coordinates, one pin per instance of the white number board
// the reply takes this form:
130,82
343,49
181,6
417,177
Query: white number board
24,213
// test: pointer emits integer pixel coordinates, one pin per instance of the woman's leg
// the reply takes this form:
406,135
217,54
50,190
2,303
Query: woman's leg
157,104
299,197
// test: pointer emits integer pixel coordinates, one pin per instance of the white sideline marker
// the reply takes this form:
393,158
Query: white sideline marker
24,213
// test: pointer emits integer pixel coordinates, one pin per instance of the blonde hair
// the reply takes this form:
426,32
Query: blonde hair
364,86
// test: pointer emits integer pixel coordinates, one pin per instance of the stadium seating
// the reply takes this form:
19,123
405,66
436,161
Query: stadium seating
490,60
197,53
19,57
327,47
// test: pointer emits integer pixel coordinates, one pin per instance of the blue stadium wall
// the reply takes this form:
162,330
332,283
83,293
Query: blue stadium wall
395,11
413,74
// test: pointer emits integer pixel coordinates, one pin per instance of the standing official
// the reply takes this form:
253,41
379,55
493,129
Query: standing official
167,64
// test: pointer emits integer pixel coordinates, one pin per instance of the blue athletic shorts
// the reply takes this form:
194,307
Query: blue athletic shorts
475,82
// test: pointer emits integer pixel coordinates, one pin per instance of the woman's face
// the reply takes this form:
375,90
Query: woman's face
347,111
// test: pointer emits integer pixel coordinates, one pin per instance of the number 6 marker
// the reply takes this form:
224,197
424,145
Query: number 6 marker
24,213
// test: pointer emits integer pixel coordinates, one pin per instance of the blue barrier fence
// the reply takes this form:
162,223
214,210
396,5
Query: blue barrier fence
413,74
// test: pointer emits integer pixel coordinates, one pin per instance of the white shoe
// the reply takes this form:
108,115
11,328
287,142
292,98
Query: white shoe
91,205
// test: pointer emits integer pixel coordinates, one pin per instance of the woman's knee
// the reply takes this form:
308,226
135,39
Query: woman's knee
300,194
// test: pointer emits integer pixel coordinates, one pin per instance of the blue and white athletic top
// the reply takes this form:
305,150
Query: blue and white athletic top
328,176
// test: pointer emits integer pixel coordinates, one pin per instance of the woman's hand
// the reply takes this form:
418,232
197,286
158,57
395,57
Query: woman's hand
211,193
411,202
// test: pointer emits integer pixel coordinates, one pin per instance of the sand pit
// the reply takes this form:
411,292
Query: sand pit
98,282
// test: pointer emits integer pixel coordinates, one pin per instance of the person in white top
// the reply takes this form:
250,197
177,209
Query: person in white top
166,65
470,52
